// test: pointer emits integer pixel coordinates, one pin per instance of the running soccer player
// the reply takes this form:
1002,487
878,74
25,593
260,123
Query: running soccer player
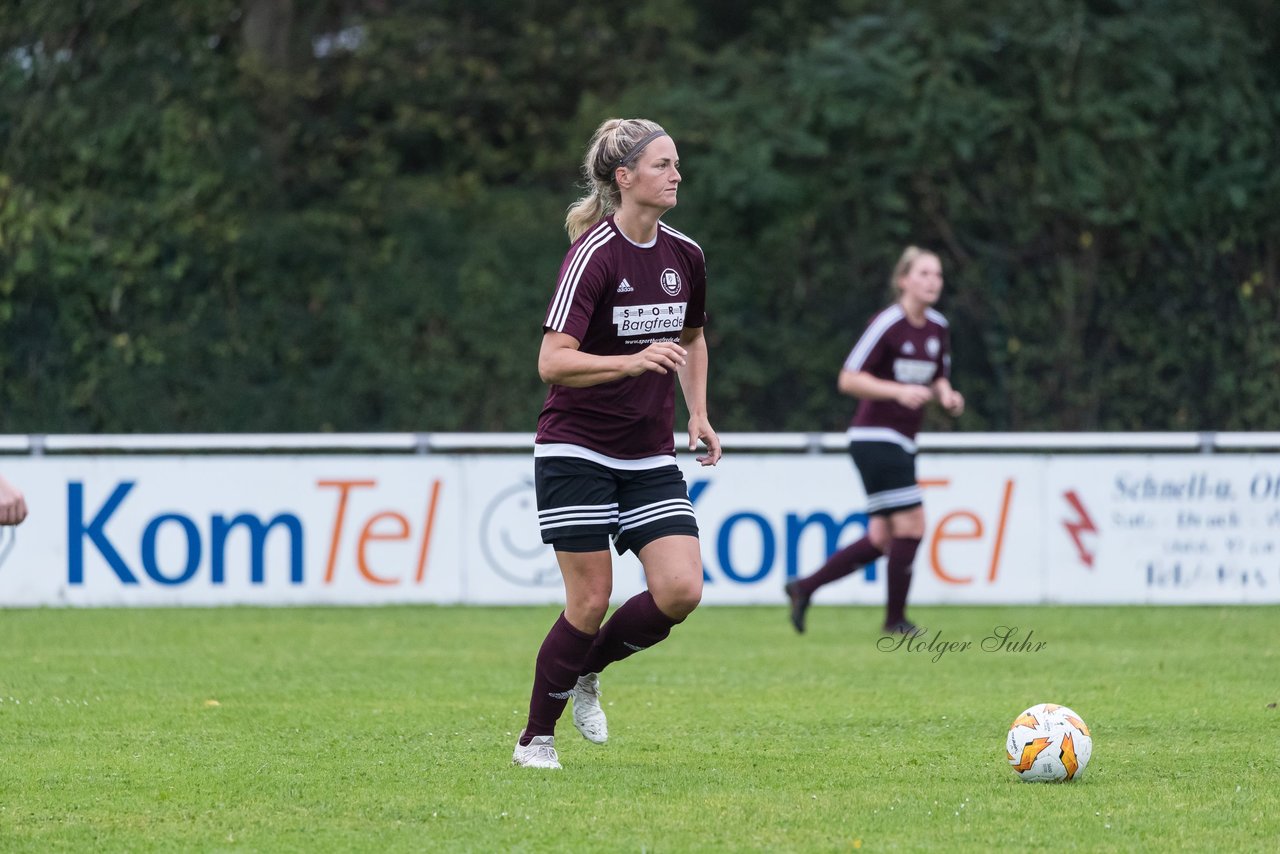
625,320
901,362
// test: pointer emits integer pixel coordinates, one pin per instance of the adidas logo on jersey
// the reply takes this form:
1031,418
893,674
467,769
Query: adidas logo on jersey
625,287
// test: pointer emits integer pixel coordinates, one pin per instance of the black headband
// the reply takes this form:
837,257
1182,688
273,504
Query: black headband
639,147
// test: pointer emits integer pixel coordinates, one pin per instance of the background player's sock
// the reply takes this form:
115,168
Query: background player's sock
902,553
849,559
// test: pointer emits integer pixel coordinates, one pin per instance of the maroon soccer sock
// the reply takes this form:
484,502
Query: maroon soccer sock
848,560
637,624
559,663
902,553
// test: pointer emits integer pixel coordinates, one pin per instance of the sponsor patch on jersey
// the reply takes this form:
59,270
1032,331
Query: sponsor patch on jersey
914,371
671,282
655,319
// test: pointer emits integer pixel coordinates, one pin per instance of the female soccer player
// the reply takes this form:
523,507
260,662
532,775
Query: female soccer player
625,320
901,362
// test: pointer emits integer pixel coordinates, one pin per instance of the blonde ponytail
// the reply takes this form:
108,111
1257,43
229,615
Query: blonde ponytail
616,143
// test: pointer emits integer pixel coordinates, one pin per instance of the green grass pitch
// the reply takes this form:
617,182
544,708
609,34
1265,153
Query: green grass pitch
391,729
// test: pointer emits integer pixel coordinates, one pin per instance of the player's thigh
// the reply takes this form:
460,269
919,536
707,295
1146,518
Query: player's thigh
907,523
878,532
588,583
577,513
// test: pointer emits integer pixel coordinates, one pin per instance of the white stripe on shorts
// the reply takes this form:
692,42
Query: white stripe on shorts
585,509
674,513
653,512
891,498
581,514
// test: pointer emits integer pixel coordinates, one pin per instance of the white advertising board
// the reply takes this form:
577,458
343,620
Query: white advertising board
1189,529
233,530
385,529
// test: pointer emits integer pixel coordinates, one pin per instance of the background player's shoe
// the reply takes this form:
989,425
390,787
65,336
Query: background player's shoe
901,627
588,717
540,752
799,604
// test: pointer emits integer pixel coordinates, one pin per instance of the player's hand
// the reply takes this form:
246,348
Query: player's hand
953,402
13,507
914,396
660,358
700,429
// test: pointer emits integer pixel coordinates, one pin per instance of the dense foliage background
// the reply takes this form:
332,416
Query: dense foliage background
263,215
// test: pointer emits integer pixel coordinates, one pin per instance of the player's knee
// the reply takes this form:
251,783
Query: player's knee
587,609
679,598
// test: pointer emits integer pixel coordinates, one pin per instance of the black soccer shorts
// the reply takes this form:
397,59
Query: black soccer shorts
888,475
582,503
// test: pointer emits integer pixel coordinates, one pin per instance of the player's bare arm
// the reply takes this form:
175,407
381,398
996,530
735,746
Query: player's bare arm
693,382
948,398
863,385
561,362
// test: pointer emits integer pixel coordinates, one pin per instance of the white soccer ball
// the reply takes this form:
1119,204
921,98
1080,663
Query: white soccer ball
1048,743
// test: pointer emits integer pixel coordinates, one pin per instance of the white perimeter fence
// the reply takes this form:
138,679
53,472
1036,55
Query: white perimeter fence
355,519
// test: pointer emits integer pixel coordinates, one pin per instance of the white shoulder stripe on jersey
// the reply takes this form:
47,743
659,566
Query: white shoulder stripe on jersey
936,317
669,230
570,270
559,312
568,286
858,355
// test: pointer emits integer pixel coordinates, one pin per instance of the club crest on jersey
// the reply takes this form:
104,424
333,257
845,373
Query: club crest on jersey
671,282
932,346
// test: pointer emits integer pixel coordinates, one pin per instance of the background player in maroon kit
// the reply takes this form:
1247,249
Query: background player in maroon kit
901,362
13,507
625,320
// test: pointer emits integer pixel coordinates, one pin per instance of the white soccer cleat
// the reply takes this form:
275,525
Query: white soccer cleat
588,717
540,752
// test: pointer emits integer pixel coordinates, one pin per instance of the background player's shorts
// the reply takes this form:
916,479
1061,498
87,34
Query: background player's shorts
582,503
888,476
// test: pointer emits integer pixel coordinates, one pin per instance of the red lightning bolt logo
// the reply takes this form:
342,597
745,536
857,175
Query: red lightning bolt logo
1081,524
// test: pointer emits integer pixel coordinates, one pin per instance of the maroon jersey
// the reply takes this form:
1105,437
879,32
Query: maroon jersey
892,349
617,298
